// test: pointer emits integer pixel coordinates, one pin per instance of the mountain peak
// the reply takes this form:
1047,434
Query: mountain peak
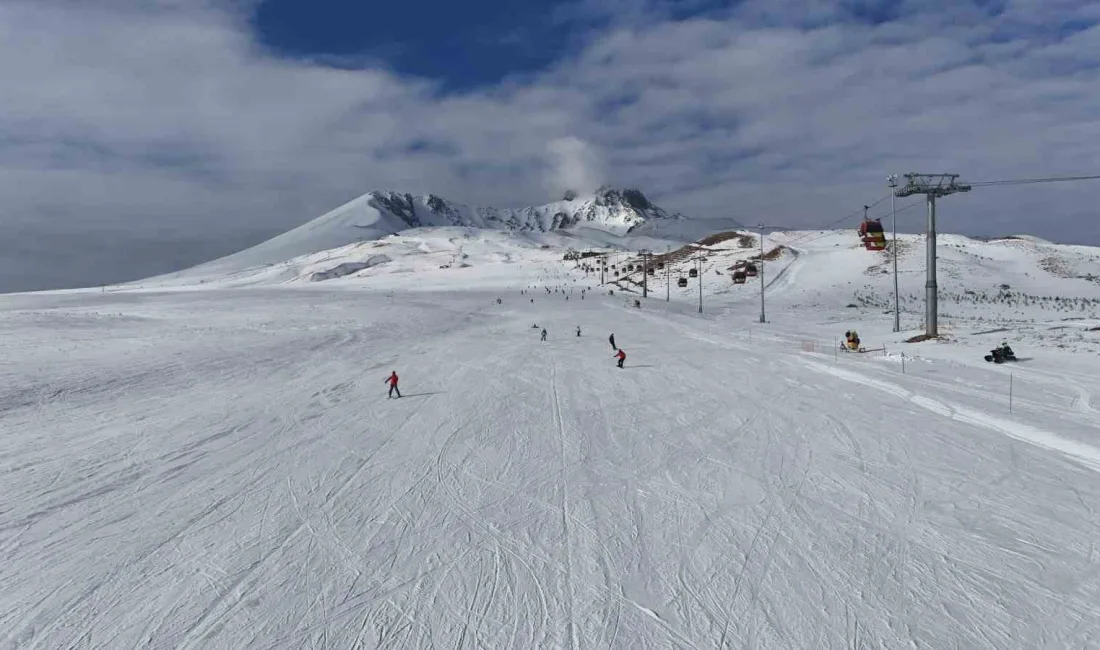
609,208
628,196
380,213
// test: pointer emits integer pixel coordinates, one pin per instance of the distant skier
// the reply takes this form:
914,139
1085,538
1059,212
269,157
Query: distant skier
578,330
544,334
612,339
621,356
392,381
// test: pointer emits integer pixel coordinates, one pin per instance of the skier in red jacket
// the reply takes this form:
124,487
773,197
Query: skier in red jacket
392,381
621,356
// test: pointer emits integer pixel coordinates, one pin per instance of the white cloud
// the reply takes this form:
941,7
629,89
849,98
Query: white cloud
132,121
575,166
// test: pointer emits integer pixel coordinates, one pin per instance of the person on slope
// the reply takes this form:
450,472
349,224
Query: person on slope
578,330
392,381
543,334
612,339
621,356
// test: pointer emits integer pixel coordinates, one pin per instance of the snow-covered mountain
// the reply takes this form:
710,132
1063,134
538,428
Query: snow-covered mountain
380,213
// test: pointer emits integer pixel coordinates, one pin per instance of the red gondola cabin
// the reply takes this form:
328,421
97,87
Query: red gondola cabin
870,231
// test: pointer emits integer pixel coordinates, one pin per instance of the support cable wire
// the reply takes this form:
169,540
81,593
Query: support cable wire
814,235
1031,181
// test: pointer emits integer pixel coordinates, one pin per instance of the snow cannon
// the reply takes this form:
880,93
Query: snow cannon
872,235
851,340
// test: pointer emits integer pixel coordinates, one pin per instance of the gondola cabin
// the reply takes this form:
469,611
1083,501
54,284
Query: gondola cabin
693,273
739,277
651,271
751,270
660,265
682,282
872,235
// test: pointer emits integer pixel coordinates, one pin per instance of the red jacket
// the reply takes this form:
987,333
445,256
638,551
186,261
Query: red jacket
621,354
392,379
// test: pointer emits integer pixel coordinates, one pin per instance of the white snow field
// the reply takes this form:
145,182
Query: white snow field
213,463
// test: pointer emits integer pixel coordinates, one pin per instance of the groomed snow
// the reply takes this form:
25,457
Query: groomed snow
203,466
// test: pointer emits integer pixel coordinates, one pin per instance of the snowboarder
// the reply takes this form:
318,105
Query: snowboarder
612,339
621,356
578,330
392,381
544,334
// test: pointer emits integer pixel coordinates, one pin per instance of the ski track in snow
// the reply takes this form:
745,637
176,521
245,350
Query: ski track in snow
222,469
1086,454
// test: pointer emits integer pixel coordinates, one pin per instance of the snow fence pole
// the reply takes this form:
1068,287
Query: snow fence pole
836,350
1010,392
903,363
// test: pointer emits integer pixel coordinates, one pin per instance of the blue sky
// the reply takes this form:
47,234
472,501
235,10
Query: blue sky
141,135
463,45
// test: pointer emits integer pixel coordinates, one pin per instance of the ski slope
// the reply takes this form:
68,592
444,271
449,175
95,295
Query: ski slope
210,468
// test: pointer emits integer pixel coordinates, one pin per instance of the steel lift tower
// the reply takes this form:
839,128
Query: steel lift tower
932,186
